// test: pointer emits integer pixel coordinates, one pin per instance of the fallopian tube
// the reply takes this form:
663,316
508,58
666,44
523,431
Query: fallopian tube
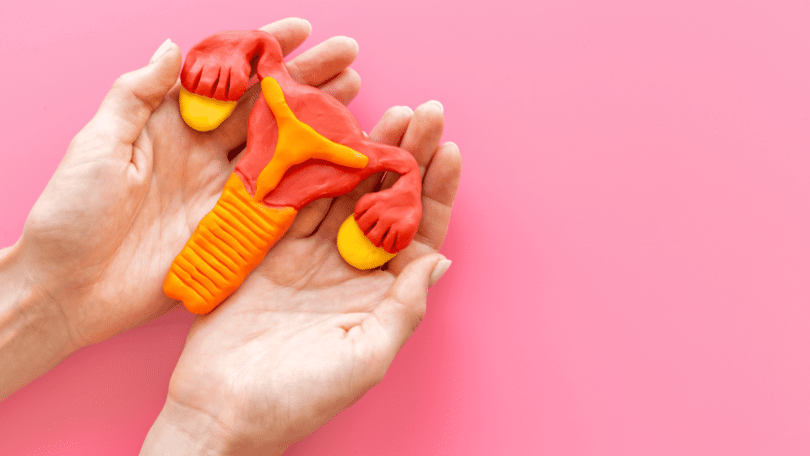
302,145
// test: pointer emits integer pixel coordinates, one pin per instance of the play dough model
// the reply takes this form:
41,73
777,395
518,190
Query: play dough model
302,145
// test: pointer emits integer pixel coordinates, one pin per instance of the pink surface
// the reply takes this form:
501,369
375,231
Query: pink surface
631,240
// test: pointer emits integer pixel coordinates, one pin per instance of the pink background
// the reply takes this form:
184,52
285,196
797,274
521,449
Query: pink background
631,240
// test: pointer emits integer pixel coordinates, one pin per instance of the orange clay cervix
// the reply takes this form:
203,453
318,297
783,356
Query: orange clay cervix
302,145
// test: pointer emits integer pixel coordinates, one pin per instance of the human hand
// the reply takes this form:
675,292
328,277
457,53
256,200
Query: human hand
131,188
306,335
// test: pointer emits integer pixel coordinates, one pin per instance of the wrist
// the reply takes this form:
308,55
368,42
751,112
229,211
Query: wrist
34,336
183,430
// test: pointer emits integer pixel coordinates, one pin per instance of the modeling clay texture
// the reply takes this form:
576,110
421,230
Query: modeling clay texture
302,145
228,243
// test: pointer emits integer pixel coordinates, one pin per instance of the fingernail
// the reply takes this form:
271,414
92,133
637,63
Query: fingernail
408,108
441,108
438,271
160,51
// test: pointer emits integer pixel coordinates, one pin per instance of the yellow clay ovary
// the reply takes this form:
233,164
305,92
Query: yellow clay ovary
357,249
203,113
297,143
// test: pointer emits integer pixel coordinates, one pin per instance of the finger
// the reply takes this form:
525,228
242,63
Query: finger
392,126
289,32
324,61
438,194
135,95
423,136
315,66
392,322
389,130
345,86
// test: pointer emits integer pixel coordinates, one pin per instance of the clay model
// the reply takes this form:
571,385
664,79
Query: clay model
302,145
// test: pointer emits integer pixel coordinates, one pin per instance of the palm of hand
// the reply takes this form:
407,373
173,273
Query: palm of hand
306,334
125,220
294,330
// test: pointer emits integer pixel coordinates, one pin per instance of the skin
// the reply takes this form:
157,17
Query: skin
132,186
304,337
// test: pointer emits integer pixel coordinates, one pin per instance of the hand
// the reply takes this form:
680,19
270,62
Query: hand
306,335
131,188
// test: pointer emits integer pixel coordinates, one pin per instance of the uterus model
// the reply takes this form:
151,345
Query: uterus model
302,145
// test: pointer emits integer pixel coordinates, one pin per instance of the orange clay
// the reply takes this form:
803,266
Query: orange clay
229,242
297,143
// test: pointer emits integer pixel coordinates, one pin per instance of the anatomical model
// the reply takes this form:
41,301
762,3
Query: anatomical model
302,145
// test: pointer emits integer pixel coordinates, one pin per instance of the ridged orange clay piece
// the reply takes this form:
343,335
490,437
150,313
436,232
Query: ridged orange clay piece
297,143
229,242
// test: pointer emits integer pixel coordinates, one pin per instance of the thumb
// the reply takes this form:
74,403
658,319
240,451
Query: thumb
403,307
135,95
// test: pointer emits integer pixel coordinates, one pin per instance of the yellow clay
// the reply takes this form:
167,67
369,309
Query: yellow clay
202,113
357,250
